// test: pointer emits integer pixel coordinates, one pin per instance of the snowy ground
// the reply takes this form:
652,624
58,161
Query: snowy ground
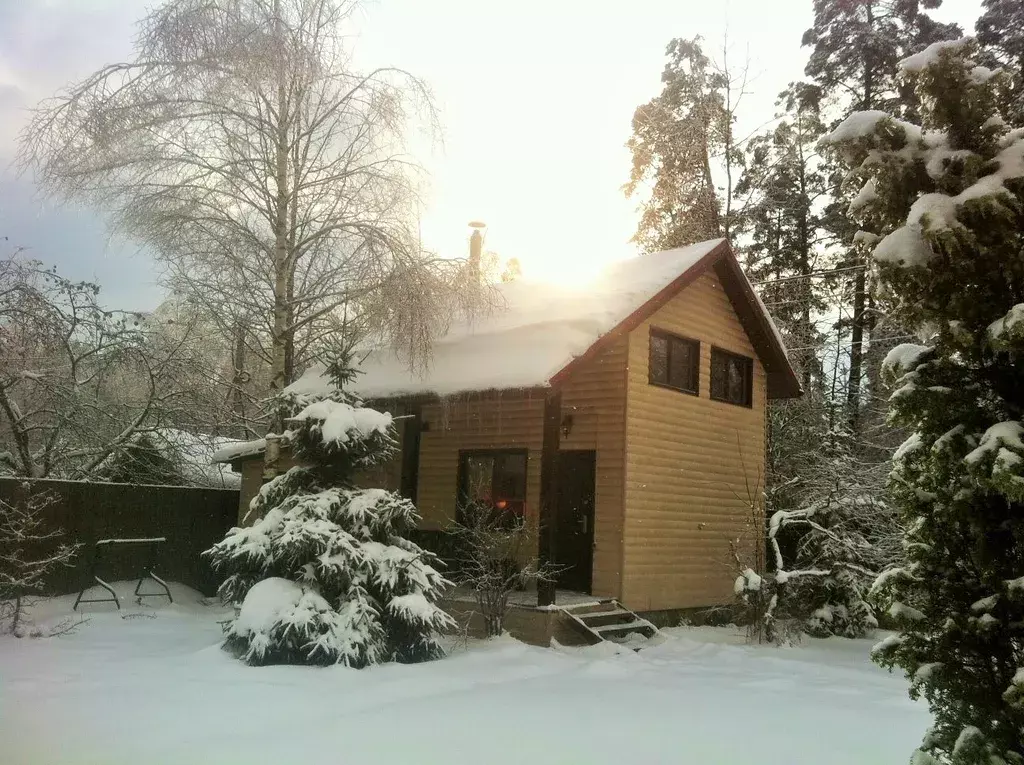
150,685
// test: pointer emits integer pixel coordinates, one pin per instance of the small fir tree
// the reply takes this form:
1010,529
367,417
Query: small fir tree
327,574
31,552
948,200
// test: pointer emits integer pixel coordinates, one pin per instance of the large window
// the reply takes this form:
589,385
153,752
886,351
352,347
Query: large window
495,477
674,362
732,378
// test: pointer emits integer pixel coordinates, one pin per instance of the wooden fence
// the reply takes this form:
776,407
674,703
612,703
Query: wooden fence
191,519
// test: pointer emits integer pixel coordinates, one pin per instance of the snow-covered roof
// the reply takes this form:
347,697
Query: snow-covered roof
234,450
536,330
193,455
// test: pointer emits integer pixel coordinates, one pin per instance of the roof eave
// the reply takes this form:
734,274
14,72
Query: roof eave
782,380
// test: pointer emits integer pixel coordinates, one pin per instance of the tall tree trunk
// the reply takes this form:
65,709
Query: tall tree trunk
293,229
860,282
856,347
804,264
835,378
238,379
714,222
279,332
289,342
727,222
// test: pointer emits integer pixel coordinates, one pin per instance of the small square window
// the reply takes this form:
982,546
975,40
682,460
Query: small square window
674,362
732,378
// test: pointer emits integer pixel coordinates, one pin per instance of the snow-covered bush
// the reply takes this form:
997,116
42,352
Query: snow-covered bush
327,574
760,605
949,207
822,590
837,547
168,456
757,605
849,534
829,483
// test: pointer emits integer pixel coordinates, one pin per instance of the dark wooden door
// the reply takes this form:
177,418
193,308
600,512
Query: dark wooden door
574,546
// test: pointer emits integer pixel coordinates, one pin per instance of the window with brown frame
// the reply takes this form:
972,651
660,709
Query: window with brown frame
495,477
674,362
732,378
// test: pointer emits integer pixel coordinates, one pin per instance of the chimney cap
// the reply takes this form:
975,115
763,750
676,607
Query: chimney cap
477,224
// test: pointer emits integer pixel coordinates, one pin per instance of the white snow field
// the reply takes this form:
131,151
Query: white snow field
150,685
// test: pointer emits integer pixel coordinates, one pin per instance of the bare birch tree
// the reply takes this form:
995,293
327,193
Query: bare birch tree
267,173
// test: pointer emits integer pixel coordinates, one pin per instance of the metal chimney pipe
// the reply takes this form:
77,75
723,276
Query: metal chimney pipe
476,248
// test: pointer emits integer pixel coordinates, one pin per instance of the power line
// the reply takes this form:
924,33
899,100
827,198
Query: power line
811,275
826,346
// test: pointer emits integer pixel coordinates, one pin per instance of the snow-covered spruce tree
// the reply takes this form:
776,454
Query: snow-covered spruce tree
949,200
327,575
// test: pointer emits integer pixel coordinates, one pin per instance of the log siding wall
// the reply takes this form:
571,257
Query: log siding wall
691,462
513,420
595,397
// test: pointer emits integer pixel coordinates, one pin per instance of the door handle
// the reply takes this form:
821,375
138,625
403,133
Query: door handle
585,523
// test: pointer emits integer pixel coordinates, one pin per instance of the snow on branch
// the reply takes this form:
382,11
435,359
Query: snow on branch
341,421
933,54
904,358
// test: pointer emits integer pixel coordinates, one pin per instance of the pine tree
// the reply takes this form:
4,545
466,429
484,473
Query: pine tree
949,200
327,574
783,186
1000,30
855,47
843,534
675,138
856,44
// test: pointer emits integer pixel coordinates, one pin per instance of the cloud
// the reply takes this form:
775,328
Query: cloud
13,103
78,244
45,45
49,42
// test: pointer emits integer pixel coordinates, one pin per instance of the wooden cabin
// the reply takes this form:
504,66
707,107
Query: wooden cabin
625,418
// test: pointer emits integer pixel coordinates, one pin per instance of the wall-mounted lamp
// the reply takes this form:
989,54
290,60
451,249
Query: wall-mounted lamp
566,425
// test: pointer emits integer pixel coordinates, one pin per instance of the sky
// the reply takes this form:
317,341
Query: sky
535,98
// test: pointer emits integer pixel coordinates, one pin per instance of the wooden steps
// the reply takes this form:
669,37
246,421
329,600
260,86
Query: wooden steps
609,620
